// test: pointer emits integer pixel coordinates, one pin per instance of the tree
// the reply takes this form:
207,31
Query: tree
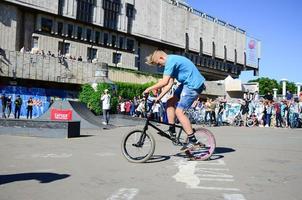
266,85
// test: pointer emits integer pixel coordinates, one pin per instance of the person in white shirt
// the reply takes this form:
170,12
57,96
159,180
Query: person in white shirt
106,106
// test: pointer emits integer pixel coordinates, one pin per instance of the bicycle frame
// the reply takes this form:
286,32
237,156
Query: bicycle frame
160,132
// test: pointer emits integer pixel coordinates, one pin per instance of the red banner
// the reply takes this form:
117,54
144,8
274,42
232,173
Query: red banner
63,115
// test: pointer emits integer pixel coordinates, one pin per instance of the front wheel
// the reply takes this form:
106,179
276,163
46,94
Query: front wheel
138,146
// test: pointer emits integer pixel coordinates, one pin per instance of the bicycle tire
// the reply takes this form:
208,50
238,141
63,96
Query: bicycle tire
129,148
250,123
207,138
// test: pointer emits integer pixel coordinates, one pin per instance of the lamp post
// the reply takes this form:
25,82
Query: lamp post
275,93
298,88
283,87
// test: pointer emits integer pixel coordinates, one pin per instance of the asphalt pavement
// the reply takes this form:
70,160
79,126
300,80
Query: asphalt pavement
249,164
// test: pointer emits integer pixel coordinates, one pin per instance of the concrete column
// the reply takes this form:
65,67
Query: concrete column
275,92
283,87
298,88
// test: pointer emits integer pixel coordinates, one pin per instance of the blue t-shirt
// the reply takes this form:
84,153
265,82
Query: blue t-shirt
184,71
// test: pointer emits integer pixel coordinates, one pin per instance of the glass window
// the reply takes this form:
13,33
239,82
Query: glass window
60,28
116,58
70,30
46,25
97,37
113,41
129,10
88,34
79,34
130,45
66,48
121,43
105,39
91,53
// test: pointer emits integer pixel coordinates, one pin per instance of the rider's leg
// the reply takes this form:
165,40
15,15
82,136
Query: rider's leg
184,120
171,112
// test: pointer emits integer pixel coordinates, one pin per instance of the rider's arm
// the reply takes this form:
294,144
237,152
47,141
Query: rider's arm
166,89
161,83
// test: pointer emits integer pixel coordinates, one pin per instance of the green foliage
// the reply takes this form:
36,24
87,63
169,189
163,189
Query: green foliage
125,90
267,85
291,86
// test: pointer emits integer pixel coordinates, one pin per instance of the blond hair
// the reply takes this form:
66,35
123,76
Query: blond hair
150,59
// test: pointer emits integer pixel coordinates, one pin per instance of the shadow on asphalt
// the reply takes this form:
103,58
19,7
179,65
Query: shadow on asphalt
43,177
158,158
215,156
221,150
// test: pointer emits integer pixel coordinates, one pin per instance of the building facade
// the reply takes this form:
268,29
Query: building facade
123,32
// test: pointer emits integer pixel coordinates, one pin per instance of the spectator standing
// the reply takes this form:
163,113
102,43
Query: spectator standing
122,107
3,102
220,113
18,104
244,111
106,106
269,112
155,110
9,105
30,104
213,113
208,111
127,107
277,107
288,95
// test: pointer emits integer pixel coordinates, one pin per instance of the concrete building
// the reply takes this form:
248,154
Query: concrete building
120,33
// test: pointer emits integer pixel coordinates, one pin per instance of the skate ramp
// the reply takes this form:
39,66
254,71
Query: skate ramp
88,119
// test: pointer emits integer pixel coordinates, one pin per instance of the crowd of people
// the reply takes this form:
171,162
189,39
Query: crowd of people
263,111
61,57
10,107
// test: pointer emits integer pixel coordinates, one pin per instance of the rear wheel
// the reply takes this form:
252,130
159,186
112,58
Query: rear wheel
205,151
138,146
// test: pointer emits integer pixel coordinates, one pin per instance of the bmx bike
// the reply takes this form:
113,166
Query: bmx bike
138,145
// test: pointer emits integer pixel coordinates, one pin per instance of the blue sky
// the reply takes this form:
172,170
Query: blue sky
277,23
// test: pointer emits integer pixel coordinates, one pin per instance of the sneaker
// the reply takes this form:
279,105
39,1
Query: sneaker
104,123
172,134
191,146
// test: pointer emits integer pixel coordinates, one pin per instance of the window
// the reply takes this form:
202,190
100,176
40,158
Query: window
213,50
121,43
60,7
60,28
116,58
64,48
130,45
106,39
129,10
187,43
111,12
46,25
70,30
91,53
88,35
85,10
79,34
97,37
225,53
200,46
113,41
35,42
